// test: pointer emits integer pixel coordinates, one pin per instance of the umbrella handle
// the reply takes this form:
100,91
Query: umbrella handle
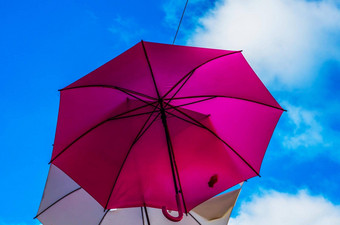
180,211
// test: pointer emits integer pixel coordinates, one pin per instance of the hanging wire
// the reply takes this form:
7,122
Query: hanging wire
180,21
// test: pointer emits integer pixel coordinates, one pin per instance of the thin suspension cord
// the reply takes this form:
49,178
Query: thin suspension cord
180,21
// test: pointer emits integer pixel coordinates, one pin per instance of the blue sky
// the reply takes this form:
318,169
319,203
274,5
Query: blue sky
293,45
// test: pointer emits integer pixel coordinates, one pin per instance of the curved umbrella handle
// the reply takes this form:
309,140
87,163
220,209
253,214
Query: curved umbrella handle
180,211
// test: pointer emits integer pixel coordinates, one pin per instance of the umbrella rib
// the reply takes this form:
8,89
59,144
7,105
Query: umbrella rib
231,97
195,219
98,125
230,53
213,133
57,202
129,116
190,103
188,77
100,222
138,136
109,86
147,215
188,121
146,102
141,210
151,72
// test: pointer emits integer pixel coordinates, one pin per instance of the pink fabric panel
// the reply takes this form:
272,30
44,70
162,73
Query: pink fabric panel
228,76
246,126
146,175
94,160
199,156
172,62
129,70
80,109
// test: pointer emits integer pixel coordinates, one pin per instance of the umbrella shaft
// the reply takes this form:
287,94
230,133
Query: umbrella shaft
177,181
170,149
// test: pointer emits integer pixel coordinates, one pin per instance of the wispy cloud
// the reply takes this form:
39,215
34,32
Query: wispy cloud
286,41
306,129
277,208
126,30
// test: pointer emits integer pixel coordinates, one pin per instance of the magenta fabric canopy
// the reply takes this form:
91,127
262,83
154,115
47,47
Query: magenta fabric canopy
164,126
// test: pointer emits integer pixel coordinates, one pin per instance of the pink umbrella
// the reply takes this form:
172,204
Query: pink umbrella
164,126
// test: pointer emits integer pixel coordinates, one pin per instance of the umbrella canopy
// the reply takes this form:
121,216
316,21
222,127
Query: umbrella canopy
65,202
164,126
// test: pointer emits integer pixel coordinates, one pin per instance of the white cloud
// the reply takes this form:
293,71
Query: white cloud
305,128
275,208
286,41
307,133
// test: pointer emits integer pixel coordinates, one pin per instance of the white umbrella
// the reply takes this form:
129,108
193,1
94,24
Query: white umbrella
64,202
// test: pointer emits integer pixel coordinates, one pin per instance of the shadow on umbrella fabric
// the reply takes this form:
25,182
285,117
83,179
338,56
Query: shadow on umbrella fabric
64,202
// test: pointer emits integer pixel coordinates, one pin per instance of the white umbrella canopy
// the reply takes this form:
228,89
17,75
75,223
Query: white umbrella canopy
64,202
